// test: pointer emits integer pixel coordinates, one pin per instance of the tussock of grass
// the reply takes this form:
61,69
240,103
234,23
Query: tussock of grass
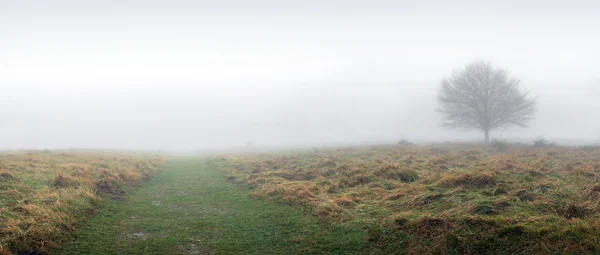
397,172
470,179
447,199
5,176
64,181
44,194
577,210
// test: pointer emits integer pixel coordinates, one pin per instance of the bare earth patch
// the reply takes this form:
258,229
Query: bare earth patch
140,235
195,250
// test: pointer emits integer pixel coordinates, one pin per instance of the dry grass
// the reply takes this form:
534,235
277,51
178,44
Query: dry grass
44,194
447,199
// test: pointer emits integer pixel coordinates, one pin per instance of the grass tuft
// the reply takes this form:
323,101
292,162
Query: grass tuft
64,181
470,179
397,172
577,210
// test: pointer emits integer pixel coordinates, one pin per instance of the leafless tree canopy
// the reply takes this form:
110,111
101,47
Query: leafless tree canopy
485,98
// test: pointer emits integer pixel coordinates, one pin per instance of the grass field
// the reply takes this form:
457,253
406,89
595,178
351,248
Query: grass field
447,199
442,200
189,208
44,195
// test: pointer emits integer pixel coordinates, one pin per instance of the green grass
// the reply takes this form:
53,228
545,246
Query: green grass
189,208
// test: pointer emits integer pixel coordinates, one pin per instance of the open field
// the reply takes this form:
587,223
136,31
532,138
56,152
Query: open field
46,194
454,200
451,199
190,208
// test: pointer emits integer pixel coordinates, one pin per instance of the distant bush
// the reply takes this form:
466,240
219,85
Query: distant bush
403,142
541,143
499,145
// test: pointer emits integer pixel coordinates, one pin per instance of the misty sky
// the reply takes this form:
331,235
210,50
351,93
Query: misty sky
213,74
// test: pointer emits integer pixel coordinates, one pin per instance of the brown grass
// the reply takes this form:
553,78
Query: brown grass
46,194
446,199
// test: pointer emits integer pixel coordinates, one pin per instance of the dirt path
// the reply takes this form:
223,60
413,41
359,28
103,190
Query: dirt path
189,208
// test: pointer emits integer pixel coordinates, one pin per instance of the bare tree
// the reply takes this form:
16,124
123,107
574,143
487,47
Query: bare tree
485,98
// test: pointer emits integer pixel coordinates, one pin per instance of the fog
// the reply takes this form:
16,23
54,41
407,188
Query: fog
185,75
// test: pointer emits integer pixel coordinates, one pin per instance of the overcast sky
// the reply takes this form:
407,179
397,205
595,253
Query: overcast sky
213,74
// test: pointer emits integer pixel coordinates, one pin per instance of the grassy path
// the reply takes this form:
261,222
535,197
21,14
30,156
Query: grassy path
190,209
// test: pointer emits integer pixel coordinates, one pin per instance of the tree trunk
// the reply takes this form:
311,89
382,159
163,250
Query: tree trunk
487,136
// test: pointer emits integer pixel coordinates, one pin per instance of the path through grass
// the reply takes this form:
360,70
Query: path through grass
188,208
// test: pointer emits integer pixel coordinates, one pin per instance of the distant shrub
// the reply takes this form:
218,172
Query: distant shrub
403,142
499,145
541,143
